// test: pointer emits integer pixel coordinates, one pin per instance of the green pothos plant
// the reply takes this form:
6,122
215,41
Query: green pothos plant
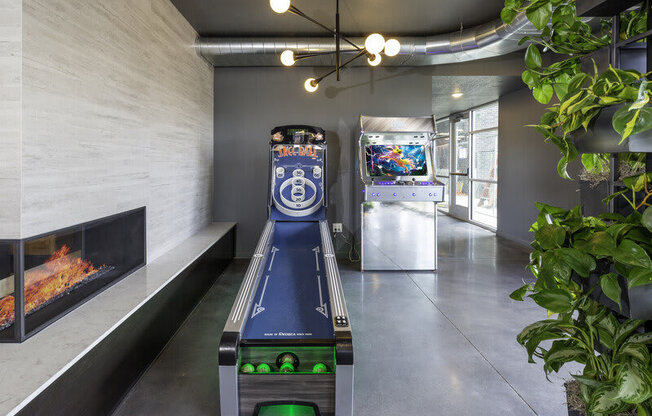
568,248
575,256
580,96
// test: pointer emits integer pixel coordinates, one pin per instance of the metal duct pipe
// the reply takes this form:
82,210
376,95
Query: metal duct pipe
484,41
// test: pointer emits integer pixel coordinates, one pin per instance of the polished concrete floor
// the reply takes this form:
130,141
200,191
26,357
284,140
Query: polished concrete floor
425,343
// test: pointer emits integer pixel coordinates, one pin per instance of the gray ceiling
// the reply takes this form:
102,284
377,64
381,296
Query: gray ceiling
358,17
477,90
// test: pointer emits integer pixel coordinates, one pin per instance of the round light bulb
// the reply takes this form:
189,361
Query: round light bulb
374,43
376,61
310,85
392,47
279,6
287,58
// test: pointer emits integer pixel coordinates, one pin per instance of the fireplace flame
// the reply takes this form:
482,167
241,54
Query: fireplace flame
58,275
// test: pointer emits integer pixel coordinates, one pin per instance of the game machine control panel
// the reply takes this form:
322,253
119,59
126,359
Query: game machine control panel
400,193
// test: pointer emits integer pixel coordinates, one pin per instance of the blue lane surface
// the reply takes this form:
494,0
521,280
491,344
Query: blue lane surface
291,300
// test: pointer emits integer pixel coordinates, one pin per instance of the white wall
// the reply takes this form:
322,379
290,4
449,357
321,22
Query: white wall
117,114
10,77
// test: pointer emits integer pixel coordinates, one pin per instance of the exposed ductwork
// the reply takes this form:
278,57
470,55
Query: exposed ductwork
484,41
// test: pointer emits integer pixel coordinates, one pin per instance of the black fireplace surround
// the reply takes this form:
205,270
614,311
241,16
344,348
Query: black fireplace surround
46,276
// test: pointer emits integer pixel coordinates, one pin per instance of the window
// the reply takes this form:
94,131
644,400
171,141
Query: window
443,158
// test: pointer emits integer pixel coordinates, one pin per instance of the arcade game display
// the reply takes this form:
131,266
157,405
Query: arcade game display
399,213
286,347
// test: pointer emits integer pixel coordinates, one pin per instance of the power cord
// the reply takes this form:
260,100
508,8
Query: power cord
353,254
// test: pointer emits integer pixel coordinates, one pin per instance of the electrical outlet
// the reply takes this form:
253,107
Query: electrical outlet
337,227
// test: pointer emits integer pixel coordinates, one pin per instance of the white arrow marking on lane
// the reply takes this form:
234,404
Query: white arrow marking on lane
322,305
274,250
316,250
258,308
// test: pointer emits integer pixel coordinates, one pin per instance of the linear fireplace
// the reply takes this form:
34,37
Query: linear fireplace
46,276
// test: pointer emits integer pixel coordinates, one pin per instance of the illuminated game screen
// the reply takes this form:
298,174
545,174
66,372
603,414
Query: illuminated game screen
396,160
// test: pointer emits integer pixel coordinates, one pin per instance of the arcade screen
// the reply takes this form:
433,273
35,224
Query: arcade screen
396,160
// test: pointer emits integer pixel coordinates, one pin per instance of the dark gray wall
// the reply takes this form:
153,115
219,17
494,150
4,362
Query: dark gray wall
249,102
527,168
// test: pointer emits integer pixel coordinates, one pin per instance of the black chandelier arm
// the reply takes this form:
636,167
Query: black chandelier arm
298,12
300,56
359,54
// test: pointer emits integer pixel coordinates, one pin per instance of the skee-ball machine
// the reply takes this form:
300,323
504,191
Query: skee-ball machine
400,195
286,347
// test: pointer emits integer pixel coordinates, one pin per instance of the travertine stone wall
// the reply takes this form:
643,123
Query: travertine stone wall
117,112
10,85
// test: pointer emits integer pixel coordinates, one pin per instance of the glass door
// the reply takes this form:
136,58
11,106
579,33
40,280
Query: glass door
484,163
459,183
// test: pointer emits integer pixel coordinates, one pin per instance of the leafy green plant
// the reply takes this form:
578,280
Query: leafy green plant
581,96
568,249
576,257
583,101
617,380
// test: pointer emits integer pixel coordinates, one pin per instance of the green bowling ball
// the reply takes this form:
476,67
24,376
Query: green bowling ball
320,368
247,368
263,368
287,368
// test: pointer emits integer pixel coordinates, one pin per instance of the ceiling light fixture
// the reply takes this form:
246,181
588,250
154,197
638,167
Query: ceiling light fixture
287,58
457,94
377,59
374,45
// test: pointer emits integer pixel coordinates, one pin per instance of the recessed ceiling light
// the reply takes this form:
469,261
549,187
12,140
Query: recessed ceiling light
457,94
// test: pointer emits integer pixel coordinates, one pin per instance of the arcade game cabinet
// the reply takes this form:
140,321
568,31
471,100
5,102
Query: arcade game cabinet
399,212
286,347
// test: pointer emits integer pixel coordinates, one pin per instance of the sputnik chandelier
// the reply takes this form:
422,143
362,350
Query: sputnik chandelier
374,46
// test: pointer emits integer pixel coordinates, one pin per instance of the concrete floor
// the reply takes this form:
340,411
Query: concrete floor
424,343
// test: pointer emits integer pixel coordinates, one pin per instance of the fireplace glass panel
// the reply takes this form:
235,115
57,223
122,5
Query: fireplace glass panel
66,268
7,281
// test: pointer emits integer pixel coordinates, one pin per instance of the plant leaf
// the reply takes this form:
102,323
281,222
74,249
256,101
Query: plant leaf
581,262
554,300
539,13
629,252
589,381
645,338
562,352
639,276
638,182
611,288
507,15
604,401
634,383
635,351
625,329
599,244
520,292
535,328
550,236
533,57
646,220
543,93
531,78
627,122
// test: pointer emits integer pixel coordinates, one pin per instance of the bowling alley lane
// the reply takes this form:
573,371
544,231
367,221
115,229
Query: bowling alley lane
426,343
